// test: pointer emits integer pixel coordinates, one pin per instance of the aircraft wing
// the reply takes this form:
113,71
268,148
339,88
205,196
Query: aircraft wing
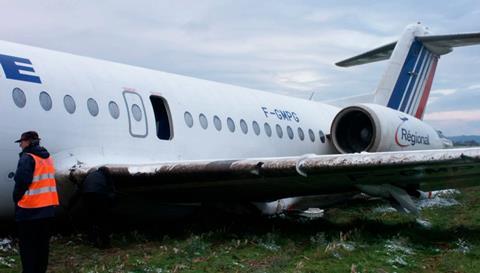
265,179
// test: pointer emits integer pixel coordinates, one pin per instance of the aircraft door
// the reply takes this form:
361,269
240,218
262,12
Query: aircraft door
137,118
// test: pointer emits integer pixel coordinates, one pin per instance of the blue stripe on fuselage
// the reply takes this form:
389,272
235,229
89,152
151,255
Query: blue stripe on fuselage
404,76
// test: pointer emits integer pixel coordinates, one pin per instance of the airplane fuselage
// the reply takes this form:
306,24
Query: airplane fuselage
183,139
90,112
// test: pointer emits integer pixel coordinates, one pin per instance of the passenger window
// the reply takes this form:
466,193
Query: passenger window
92,106
69,104
231,125
19,97
311,134
301,135
45,101
256,128
289,132
279,131
113,109
322,136
163,121
217,122
268,129
203,121
244,126
136,112
188,119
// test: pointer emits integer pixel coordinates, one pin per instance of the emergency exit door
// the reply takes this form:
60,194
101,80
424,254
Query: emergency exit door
137,119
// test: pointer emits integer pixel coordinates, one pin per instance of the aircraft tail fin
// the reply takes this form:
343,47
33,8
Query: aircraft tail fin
406,84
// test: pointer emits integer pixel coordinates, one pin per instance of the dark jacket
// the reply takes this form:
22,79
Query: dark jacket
23,179
98,183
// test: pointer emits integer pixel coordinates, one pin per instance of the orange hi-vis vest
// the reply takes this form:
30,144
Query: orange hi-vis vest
43,190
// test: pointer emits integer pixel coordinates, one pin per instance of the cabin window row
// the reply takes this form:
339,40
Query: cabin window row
231,125
70,105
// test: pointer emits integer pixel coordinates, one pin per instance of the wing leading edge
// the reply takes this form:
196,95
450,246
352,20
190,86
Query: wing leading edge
275,178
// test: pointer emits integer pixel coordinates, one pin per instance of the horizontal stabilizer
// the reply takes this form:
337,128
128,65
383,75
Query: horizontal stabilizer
438,44
442,44
374,55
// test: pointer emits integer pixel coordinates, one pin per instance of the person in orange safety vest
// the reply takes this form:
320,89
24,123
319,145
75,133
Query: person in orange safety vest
35,197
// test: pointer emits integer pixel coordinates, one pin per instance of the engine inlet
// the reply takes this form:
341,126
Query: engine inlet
353,130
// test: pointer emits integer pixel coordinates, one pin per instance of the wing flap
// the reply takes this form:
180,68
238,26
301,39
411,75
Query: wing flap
273,178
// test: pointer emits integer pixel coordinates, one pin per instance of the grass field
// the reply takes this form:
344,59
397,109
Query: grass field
359,238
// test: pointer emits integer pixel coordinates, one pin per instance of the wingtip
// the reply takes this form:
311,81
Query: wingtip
341,64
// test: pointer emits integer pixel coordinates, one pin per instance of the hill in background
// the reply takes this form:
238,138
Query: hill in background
465,140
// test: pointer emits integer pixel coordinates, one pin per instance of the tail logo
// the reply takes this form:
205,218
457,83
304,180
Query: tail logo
414,82
404,136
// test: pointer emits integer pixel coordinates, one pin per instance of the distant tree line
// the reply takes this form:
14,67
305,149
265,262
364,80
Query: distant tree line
466,143
464,140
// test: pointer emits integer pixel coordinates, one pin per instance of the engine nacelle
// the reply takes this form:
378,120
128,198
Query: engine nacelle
376,128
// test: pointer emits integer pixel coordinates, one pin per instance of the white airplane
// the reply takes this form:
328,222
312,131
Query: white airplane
181,139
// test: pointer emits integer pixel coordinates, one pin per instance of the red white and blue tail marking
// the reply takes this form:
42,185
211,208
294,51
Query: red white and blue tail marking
414,82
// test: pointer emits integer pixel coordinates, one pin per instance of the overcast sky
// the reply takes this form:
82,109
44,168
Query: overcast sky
288,47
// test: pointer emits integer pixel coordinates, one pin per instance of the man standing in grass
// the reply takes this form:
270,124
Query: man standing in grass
35,196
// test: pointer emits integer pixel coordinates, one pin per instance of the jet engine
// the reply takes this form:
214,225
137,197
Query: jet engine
375,128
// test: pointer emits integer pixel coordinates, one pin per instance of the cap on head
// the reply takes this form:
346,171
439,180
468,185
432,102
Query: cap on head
30,135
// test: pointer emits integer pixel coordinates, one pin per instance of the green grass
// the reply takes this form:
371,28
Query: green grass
353,238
